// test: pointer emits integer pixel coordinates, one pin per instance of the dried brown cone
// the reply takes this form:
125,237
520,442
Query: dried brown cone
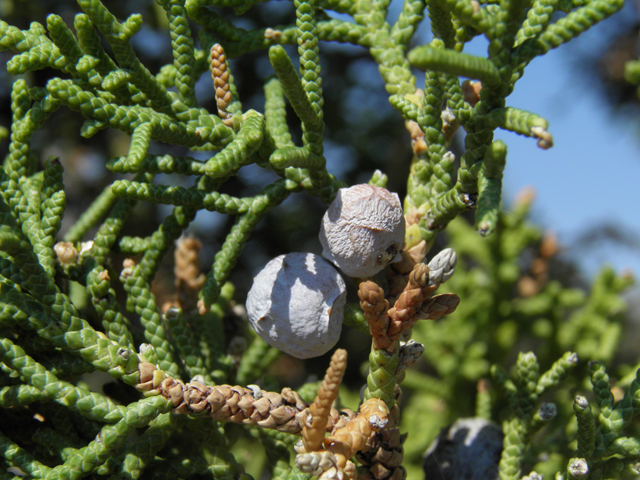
313,432
410,300
220,76
353,437
375,306
285,411
382,455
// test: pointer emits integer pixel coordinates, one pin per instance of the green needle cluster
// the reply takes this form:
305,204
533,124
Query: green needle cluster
471,353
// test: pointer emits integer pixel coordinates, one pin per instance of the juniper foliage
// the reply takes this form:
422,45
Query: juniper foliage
64,314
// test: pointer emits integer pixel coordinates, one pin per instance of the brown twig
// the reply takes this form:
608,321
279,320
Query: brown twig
353,437
386,324
437,307
408,303
313,432
374,306
285,411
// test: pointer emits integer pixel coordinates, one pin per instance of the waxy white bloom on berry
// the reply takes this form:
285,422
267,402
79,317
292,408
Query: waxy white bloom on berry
296,304
363,230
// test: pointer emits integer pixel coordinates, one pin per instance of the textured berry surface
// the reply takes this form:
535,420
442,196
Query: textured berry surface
296,304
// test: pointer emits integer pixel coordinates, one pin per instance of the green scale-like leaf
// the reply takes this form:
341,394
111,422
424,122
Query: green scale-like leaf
381,381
